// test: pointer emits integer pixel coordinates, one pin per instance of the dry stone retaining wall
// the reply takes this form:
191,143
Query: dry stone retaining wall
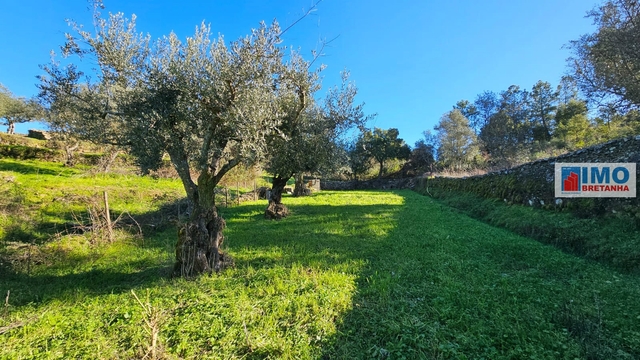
533,183
39,134
377,184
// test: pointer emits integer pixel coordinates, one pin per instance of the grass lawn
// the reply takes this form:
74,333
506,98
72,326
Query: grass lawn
358,274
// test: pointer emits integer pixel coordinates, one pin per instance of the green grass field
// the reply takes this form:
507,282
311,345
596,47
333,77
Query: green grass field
361,274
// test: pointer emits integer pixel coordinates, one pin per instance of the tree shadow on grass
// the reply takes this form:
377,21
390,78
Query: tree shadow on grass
37,288
315,235
34,273
435,284
27,168
447,286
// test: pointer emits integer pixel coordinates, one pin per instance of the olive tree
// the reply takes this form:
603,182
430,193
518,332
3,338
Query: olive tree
209,105
14,110
311,141
458,146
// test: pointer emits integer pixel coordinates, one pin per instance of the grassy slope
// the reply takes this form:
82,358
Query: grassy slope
348,275
48,195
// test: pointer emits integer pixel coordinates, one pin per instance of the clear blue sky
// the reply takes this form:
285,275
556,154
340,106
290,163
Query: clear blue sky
411,60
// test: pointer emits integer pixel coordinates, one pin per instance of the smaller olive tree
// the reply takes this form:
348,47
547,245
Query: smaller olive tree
15,110
309,138
458,146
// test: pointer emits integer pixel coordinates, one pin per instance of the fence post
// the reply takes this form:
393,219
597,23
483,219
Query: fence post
107,216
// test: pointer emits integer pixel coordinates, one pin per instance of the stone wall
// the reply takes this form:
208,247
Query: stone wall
313,183
39,134
533,183
376,184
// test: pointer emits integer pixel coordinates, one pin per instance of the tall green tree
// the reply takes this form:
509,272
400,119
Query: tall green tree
468,109
569,110
508,132
542,103
567,89
458,146
423,156
383,145
514,103
485,105
573,128
358,157
209,105
606,63
499,139
576,132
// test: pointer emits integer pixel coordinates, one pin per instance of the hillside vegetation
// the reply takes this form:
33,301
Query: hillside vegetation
358,274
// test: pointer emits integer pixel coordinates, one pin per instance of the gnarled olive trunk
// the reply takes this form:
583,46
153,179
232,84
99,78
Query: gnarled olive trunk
277,210
301,188
200,240
69,150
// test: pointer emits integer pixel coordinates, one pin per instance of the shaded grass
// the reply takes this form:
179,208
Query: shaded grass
451,287
357,274
613,241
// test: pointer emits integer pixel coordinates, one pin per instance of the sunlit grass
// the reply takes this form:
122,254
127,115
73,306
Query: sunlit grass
358,274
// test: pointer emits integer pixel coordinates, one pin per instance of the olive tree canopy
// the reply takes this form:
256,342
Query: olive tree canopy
208,104
312,140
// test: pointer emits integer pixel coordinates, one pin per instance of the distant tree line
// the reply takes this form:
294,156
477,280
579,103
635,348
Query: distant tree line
519,125
596,101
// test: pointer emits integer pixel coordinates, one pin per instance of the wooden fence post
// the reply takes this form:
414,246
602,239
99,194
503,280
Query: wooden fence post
107,216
